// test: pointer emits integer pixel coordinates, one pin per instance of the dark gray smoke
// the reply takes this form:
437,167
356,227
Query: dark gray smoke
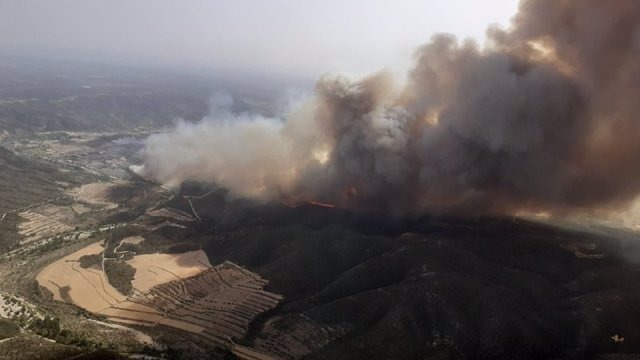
546,117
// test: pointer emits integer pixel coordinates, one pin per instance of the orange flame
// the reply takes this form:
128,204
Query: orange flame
312,202
321,204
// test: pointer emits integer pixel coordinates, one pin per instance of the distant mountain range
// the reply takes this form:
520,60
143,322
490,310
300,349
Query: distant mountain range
50,96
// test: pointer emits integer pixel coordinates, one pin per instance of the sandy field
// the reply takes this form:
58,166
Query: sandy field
94,194
182,291
155,269
90,290
132,240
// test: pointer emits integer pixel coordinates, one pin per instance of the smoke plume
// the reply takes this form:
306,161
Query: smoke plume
546,116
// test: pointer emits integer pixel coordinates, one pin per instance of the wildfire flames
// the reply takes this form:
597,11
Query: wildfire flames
312,202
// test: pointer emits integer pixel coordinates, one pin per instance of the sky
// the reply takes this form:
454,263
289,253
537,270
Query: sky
298,37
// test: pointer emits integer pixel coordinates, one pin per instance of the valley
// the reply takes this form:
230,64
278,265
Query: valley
98,262
87,249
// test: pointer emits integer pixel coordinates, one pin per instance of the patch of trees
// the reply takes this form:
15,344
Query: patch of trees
120,275
8,329
51,245
90,261
49,327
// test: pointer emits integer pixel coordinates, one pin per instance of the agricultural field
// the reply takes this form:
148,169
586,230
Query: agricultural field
95,260
181,291
77,190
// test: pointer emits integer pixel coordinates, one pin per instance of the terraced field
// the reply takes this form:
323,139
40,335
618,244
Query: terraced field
38,226
180,291
223,300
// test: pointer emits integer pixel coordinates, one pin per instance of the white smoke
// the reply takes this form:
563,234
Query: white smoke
249,154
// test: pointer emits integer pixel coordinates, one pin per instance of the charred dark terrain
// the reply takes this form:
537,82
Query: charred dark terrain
370,286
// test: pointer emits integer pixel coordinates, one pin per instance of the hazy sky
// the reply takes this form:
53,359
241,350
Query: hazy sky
307,37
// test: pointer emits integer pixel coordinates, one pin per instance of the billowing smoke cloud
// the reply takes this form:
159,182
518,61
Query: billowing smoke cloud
545,117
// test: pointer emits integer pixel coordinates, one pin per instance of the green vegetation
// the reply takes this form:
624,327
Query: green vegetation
49,327
120,275
25,181
90,261
114,236
8,329
64,293
32,347
54,244
56,135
